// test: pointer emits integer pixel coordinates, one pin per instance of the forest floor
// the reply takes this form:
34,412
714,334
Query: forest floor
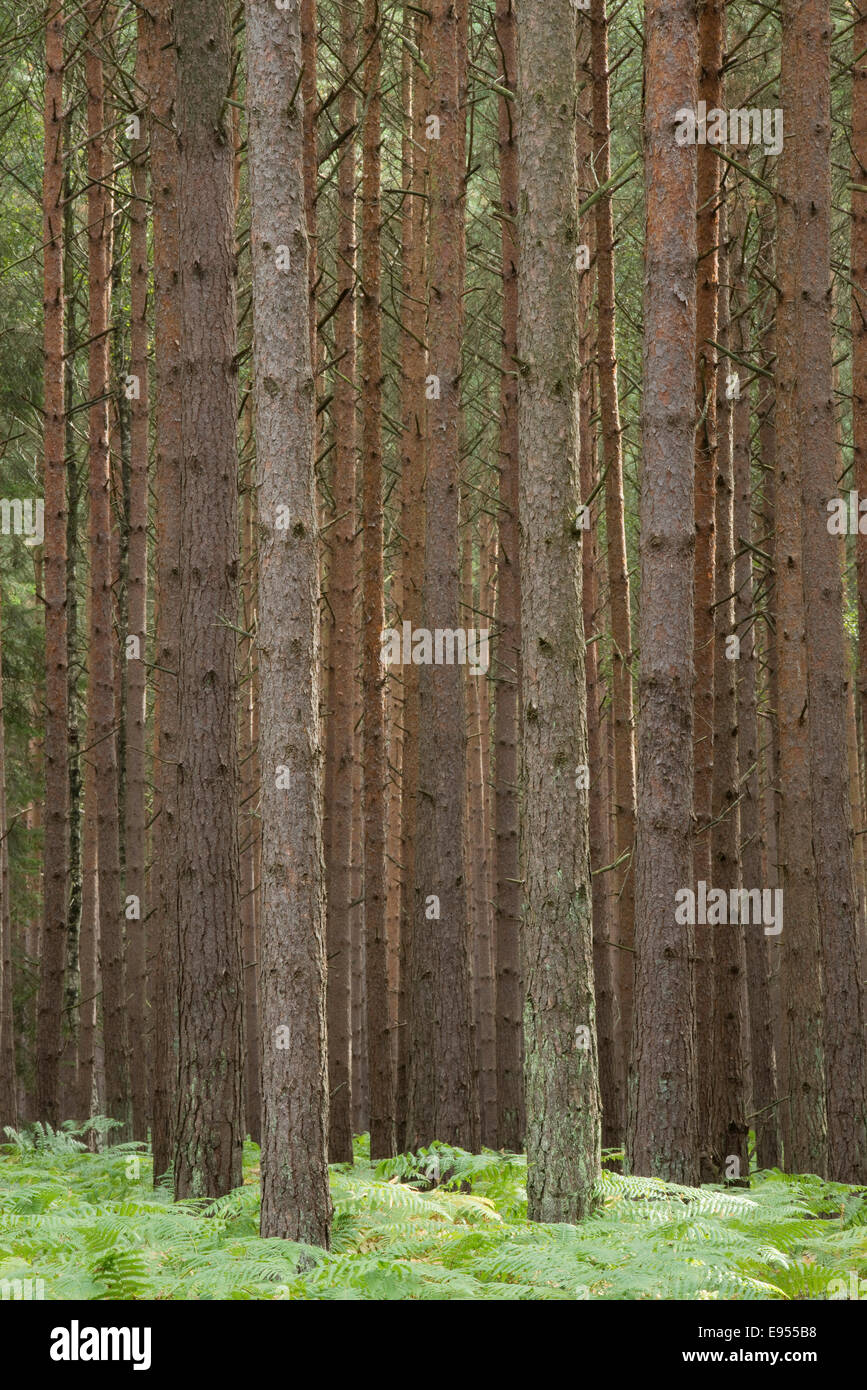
91,1226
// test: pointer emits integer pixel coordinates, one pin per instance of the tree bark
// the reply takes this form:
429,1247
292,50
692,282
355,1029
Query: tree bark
295,1199
341,650
102,730
209,1131
662,1129
412,524
858,276
55,862
730,1053
623,887
561,1070
807,32
764,1108
507,653
163,963
375,751
137,913
806,1134
443,1101
8,1085
710,90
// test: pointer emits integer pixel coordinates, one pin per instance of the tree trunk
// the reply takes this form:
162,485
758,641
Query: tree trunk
594,618
764,1108
8,1088
806,1134
561,1076
623,924
55,861
507,652
375,752
807,32
101,647
210,1115
442,1085
72,987
662,1130
341,650
730,1053
163,964
476,842
88,947
858,279
248,751
710,90
295,1199
137,913
412,524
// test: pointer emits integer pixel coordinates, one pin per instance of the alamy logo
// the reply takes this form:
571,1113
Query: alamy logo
737,127
23,517
22,1290
847,516
445,646
856,1288
75,1343
717,908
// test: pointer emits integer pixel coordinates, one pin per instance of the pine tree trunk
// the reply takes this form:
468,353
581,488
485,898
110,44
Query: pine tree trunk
72,985
209,1131
807,31
295,1199
250,788
412,457
375,759
764,1108
593,614
341,650
507,652
662,1129
55,860
730,1051
8,1086
623,886
858,276
88,947
360,1109
476,841
163,963
136,710
561,1070
443,1101
101,741
710,90
806,1126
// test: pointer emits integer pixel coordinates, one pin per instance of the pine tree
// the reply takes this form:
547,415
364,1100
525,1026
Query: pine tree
561,1070
442,1087
209,1130
295,1199
56,850
662,1129
507,656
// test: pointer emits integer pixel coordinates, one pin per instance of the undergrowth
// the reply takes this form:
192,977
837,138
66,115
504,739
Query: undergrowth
441,1224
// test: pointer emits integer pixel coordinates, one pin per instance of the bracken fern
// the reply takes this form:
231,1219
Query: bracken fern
441,1224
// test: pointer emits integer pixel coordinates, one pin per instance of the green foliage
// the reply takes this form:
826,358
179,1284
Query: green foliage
439,1224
